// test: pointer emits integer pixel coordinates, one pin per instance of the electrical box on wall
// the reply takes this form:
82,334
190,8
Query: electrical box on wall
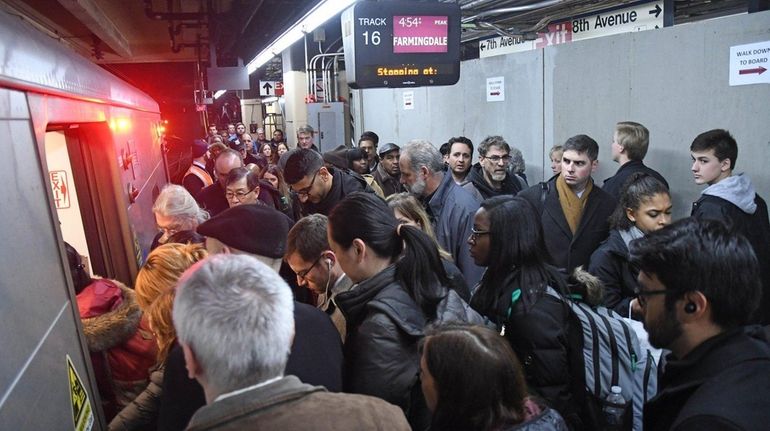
331,122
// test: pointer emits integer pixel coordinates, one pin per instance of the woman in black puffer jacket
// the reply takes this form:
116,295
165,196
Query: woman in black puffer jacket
400,286
507,238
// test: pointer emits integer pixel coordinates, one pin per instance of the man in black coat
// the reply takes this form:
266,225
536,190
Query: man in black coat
629,146
318,188
573,211
699,286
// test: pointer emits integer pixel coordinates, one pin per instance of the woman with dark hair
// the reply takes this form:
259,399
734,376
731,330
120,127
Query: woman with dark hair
645,206
399,286
507,238
118,336
472,381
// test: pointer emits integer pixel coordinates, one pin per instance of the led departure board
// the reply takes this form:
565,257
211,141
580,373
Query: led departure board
401,44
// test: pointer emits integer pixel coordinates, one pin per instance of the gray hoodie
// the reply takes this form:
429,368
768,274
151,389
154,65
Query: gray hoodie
736,189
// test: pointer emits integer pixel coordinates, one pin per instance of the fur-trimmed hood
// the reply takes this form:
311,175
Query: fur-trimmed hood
587,285
113,327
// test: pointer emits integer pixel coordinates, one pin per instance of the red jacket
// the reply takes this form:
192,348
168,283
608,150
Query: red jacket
121,344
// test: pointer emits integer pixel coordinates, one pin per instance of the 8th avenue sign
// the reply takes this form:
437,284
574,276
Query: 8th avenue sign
647,16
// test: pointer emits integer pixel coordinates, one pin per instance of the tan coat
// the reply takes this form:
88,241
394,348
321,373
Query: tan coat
289,404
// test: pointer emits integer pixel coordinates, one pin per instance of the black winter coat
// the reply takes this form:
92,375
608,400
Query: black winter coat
614,184
610,263
721,385
569,251
755,227
384,326
544,342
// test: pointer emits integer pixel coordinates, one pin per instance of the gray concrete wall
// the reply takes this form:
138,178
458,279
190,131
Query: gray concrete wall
673,80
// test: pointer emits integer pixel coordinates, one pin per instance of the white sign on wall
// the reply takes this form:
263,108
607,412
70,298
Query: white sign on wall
749,64
647,16
408,99
496,89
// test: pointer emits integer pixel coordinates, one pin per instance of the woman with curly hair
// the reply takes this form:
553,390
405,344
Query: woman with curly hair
170,388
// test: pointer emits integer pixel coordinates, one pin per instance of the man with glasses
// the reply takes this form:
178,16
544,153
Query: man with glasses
212,198
242,187
317,187
489,177
700,285
310,257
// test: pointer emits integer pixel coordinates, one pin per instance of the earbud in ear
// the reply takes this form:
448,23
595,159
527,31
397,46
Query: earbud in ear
690,308
329,263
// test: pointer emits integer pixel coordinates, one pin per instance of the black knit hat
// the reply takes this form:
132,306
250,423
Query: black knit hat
253,228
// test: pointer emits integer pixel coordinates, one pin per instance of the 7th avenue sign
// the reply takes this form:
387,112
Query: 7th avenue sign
646,16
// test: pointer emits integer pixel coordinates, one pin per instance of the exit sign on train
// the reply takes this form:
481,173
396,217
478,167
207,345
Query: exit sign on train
640,17
401,44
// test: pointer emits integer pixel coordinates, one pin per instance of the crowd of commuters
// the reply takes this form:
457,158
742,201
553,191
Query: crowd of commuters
398,287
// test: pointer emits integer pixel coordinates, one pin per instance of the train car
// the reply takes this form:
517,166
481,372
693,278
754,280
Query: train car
82,163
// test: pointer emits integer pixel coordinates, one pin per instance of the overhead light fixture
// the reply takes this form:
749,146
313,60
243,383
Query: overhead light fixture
312,20
219,93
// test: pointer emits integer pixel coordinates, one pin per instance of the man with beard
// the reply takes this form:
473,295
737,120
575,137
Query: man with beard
489,177
388,173
699,285
450,208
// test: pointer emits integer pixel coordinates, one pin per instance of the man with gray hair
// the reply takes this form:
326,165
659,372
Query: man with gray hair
490,176
450,208
234,321
305,136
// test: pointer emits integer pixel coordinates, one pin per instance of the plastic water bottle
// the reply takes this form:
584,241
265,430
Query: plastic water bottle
613,409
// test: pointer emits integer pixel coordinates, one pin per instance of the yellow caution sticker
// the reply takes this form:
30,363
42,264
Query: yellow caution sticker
82,414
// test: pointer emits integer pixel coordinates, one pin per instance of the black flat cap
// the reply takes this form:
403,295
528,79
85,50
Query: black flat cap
253,228
386,148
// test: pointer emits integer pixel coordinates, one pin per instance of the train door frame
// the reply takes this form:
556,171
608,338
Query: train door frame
94,175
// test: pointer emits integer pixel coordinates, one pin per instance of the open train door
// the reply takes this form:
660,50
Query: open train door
88,197
45,378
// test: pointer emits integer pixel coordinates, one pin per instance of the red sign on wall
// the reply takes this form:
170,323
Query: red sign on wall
60,188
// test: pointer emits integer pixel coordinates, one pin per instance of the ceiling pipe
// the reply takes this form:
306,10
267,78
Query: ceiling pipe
512,9
163,16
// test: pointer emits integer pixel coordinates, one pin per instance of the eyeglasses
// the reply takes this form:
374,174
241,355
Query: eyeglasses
475,234
239,195
643,294
306,190
303,274
496,159
171,230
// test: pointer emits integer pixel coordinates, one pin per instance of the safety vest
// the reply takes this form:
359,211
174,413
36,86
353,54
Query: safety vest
200,172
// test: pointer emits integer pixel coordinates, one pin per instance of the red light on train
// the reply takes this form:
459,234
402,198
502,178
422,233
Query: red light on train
120,124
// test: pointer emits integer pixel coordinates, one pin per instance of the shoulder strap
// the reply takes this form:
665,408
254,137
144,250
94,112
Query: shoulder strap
544,188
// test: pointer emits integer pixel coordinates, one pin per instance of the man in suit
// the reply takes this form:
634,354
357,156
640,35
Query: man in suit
573,211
